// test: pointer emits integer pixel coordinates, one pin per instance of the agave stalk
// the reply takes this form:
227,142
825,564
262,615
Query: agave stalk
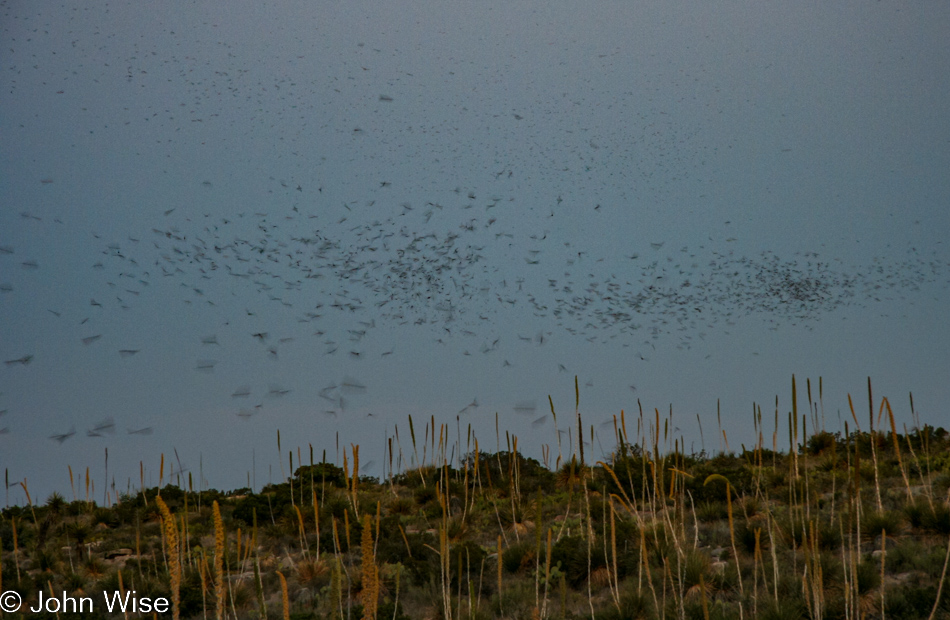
125,614
883,559
943,580
316,521
547,574
897,448
174,567
16,550
557,434
204,576
615,579
499,571
732,532
369,595
285,599
336,589
877,479
219,551
355,482
304,547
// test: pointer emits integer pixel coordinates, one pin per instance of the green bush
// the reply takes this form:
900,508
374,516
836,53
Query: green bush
822,442
320,474
868,576
519,556
633,606
424,495
874,523
244,509
784,610
712,511
910,602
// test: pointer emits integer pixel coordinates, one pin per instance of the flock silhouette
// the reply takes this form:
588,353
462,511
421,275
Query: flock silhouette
346,283
469,203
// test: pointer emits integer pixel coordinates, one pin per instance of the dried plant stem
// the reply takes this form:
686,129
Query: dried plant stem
285,599
883,558
16,550
873,437
499,566
170,530
897,449
732,532
943,579
219,551
369,595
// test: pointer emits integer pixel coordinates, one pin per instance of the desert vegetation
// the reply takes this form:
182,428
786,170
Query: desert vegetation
845,524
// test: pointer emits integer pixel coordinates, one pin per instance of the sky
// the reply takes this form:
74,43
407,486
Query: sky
319,218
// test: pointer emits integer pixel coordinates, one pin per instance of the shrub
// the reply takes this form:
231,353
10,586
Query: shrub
420,558
466,560
938,519
400,506
712,511
519,556
424,495
782,611
245,508
869,576
570,553
633,606
874,523
821,442
909,602
322,473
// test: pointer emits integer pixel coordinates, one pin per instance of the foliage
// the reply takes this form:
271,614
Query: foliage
639,535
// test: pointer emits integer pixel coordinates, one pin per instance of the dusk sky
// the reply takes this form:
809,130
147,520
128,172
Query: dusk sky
323,217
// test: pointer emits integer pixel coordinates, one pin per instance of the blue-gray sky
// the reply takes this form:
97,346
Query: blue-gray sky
451,210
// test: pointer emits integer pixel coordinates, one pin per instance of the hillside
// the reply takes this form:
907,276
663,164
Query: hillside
842,527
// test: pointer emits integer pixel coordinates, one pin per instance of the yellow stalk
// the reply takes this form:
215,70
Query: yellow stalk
239,544
500,605
628,504
897,448
16,550
346,528
613,549
285,599
171,545
369,594
303,534
356,477
405,540
122,593
732,532
219,551
316,521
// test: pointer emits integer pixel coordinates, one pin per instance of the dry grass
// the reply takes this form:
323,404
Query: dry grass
648,532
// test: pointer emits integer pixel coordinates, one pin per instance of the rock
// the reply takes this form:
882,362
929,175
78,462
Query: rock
118,553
